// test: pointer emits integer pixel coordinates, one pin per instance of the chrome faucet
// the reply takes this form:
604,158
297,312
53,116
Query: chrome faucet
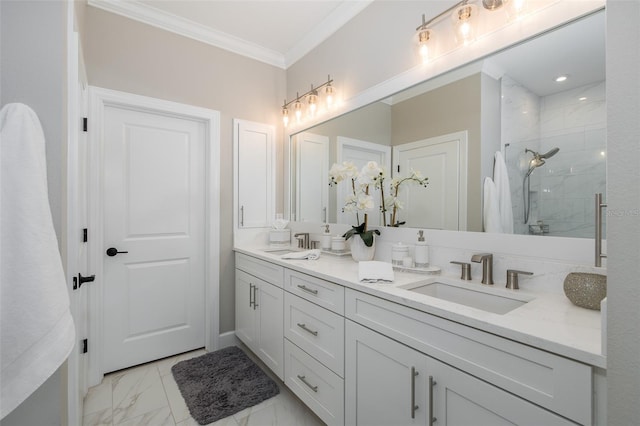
303,242
487,266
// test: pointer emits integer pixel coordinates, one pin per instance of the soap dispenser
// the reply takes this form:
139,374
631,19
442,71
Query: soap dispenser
421,253
325,240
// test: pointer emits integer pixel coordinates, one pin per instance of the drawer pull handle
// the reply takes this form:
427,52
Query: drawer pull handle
432,383
307,289
303,379
305,328
414,407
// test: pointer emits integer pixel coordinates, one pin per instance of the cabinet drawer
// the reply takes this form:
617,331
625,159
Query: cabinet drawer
317,386
559,384
261,269
316,330
321,292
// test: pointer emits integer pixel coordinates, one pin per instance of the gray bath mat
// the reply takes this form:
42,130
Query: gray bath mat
222,383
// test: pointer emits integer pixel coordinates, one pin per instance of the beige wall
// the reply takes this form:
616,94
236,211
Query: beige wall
447,109
125,55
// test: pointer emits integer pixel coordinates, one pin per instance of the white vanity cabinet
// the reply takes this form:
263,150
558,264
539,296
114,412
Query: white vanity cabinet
388,383
537,380
359,359
259,310
314,344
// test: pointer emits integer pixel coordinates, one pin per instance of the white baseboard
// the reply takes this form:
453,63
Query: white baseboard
228,339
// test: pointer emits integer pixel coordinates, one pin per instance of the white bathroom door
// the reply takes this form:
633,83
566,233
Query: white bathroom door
312,177
154,206
360,153
443,203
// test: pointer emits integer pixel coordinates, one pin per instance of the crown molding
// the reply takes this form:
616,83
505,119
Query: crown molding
329,25
185,27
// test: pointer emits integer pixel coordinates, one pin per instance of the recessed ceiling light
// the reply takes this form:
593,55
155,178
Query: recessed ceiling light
584,98
561,78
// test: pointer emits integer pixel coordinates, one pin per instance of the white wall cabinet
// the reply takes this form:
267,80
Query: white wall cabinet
259,317
254,157
390,383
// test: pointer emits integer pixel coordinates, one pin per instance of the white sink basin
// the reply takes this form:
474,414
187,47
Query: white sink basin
497,304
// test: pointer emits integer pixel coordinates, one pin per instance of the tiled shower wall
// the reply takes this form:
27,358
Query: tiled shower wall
562,190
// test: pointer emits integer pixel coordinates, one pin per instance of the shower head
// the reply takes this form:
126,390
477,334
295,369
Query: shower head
538,159
550,153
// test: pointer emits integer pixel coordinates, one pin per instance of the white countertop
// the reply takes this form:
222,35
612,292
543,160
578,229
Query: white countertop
549,321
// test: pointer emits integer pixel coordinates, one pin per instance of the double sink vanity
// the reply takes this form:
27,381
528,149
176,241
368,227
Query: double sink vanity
424,349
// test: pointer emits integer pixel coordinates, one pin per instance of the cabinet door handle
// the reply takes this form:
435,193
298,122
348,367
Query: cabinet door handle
324,213
241,215
250,295
307,289
304,327
432,383
255,304
414,407
303,379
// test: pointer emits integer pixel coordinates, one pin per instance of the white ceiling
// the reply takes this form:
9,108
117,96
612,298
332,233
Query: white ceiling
275,32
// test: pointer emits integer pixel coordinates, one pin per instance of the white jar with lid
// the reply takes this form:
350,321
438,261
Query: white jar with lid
338,244
398,252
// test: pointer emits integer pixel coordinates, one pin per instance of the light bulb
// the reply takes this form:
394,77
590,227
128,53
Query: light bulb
423,43
464,23
517,9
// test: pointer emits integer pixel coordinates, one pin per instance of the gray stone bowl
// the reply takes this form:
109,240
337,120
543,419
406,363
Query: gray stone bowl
585,290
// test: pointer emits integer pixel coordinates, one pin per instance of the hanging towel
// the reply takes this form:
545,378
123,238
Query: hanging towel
373,271
501,180
36,328
491,216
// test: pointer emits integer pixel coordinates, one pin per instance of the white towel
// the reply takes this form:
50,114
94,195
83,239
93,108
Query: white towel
491,208
501,180
36,328
374,271
308,254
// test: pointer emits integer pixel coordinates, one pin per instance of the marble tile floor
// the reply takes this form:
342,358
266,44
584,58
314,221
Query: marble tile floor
148,395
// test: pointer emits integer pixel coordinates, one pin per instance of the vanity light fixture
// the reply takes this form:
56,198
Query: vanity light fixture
464,16
309,98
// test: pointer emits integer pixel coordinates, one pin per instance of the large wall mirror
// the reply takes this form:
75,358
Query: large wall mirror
551,134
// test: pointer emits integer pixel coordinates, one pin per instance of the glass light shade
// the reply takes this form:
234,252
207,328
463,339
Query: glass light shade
423,45
329,93
313,104
285,116
297,108
465,17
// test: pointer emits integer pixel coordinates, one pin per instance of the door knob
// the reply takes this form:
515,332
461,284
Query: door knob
112,251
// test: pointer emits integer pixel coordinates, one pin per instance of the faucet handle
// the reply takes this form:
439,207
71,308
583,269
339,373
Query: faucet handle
512,278
466,270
